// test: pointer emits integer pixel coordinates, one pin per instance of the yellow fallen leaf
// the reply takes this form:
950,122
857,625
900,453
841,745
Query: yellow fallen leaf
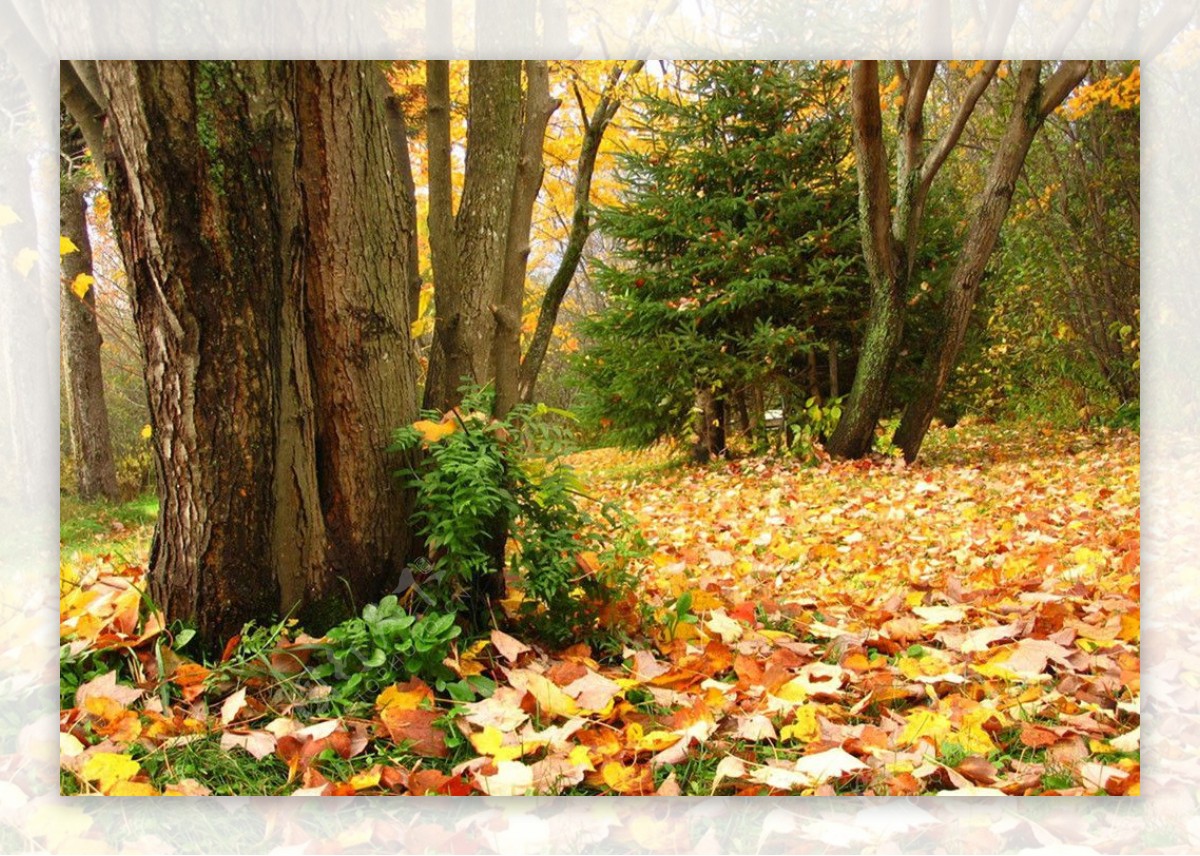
406,696
580,757
108,768
550,698
366,779
8,216
924,723
633,779
147,431
656,741
490,742
793,691
66,246
133,789
805,728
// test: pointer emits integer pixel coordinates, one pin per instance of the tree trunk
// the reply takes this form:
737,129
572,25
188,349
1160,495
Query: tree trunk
855,432
258,206
891,239
464,326
91,441
1032,104
595,126
506,347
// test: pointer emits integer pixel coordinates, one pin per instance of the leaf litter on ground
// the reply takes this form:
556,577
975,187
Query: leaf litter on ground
967,625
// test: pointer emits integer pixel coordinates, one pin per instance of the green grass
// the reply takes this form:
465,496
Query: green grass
228,772
122,529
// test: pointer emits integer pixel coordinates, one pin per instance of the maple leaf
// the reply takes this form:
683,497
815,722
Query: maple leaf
259,744
409,695
107,769
502,710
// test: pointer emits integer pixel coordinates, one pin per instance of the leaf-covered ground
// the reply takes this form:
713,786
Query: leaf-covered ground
965,626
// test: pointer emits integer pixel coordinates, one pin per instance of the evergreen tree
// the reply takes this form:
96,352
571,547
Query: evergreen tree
734,287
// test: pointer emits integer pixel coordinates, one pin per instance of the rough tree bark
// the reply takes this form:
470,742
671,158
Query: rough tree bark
595,126
468,247
891,238
537,107
258,206
1032,103
91,441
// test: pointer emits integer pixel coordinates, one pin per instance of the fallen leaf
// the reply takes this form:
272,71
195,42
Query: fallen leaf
510,649
416,730
109,768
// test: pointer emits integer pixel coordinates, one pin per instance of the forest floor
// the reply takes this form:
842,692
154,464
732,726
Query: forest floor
968,625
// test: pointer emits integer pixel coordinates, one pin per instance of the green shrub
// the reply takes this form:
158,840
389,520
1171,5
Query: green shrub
479,476
387,645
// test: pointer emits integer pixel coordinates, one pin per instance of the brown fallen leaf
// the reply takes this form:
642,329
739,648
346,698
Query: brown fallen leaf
416,730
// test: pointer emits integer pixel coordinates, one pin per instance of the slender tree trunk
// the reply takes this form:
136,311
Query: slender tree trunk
891,238
742,409
595,126
464,329
1032,104
506,348
91,441
441,380
833,371
716,417
855,431
257,206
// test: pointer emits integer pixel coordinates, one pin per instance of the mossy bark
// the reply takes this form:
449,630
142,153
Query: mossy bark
260,212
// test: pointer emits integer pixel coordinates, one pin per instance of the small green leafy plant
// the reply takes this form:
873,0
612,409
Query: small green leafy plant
387,645
480,482
680,612
817,422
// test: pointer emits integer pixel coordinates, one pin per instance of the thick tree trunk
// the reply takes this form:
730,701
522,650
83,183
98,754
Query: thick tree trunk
1030,107
465,323
91,442
257,207
354,208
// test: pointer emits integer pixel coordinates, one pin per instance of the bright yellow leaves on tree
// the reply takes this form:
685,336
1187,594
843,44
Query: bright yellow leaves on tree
1119,92
424,322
